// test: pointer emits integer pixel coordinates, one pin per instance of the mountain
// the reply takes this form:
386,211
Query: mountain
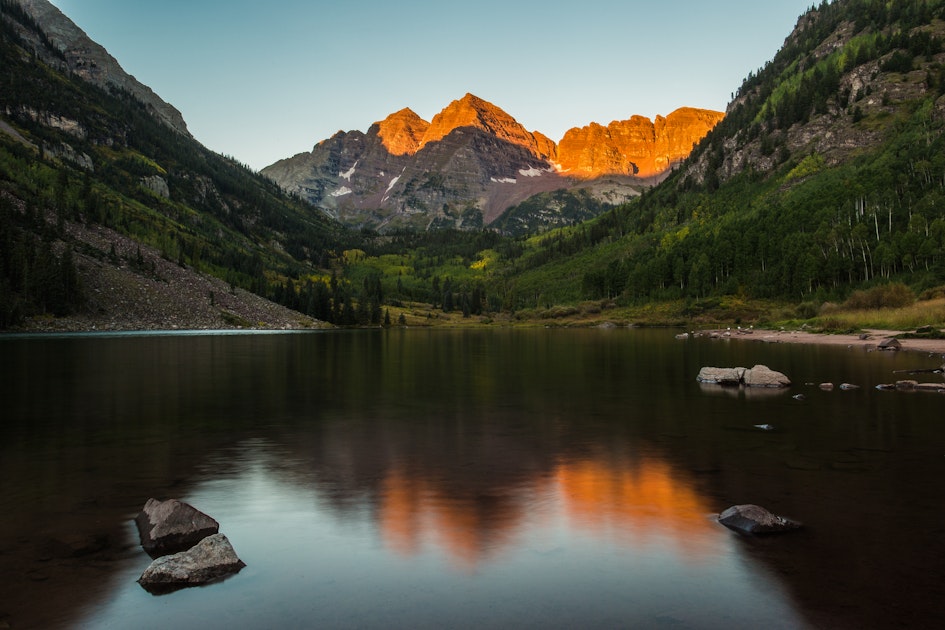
68,49
112,215
474,161
638,146
824,177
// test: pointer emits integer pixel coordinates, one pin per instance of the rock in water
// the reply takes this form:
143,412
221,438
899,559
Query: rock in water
721,376
170,526
210,559
763,376
753,519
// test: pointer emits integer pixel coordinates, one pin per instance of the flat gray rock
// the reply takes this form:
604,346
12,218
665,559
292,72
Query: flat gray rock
753,519
171,526
758,376
763,376
721,376
210,559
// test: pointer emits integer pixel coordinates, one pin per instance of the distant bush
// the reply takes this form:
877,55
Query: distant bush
806,310
892,295
557,312
933,293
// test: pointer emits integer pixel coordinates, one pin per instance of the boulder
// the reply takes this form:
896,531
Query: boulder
890,344
170,526
721,376
753,519
210,559
763,376
758,376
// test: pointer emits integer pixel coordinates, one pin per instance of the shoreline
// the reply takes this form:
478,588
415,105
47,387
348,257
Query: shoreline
868,340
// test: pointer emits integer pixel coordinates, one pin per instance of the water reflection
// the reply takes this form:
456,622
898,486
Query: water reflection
636,505
560,478
627,503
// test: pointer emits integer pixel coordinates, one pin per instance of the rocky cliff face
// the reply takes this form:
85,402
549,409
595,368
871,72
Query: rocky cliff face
473,161
472,111
402,132
92,62
636,147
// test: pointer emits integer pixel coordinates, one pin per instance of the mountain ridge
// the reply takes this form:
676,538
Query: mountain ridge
473,161
89,60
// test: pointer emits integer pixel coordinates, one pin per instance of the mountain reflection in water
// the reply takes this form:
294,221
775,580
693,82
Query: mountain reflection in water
628,503
466,478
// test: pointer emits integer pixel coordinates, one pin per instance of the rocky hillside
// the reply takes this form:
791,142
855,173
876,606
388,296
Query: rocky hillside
843,78
69,49
94,165
474,161
824,177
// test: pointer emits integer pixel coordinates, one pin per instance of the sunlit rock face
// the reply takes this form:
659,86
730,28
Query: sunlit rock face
402,132
472,162
637,146
472,111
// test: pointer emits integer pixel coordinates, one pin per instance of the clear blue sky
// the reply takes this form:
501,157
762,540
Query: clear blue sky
265,80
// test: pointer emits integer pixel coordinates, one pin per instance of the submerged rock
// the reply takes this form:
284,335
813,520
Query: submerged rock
753,519
170,526
210,559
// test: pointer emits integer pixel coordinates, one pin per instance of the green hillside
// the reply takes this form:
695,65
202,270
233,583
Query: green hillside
825,180
72,153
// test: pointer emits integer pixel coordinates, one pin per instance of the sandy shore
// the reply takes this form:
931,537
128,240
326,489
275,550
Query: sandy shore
870,340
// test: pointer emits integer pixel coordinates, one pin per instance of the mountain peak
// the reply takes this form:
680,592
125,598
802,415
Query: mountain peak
93,63
472,111
402,132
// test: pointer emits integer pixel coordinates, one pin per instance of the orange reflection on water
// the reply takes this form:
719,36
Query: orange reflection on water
635,505
470,525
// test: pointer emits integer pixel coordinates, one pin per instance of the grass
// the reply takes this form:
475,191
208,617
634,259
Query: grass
921,313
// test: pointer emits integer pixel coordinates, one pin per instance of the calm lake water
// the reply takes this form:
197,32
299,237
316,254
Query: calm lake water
434,479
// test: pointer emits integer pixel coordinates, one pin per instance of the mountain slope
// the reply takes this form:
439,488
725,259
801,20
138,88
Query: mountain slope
69,49
474,161
826,175
78,152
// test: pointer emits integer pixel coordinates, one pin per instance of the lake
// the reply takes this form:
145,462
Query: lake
544,478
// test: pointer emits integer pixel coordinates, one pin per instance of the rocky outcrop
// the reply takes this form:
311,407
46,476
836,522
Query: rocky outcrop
638,146
210,559
753,520
171,526
92,62
157,185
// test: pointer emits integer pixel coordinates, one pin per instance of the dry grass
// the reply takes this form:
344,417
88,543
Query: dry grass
910,317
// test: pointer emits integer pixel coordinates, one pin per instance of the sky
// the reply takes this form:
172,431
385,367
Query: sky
264,80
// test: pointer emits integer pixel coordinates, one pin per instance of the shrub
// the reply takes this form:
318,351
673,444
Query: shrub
892,295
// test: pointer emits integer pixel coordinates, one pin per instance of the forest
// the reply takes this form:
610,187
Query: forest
796,221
